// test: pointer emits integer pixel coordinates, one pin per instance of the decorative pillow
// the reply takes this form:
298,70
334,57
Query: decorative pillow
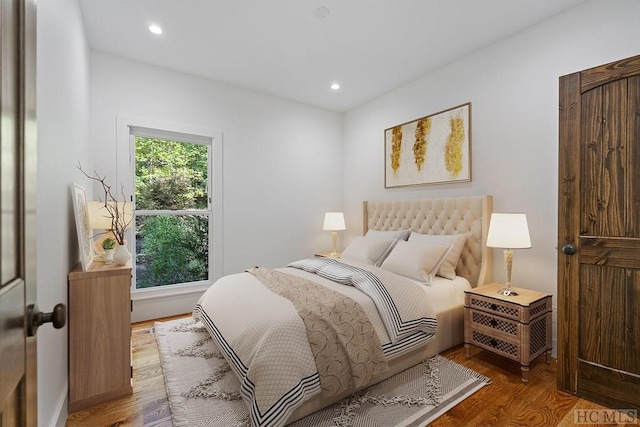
396,235
456,241
365,249
418,261
389,234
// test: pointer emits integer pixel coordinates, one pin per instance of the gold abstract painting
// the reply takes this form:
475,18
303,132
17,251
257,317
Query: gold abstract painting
430,150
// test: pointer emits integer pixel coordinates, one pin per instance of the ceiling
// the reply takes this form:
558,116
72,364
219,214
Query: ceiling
289,49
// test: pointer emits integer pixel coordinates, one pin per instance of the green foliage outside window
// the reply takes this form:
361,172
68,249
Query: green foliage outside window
171,249
170,174
174,250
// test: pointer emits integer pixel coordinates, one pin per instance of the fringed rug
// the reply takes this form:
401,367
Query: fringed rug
203,391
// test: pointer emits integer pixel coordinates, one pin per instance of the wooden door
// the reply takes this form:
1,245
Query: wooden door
18,397
599,234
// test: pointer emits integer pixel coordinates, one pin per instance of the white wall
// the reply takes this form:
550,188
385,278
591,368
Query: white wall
282,162
63,135
513,88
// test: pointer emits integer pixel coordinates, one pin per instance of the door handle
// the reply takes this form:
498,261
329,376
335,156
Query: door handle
36,318
569,249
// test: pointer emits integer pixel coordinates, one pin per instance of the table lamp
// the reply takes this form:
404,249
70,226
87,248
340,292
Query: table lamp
334,222
508,231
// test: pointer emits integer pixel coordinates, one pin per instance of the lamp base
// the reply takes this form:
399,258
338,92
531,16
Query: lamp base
507,292
334,238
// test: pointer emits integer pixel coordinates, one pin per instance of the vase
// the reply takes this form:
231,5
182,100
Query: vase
108,256
121,255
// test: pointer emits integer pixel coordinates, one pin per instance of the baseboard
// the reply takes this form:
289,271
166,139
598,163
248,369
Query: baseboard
163,306
62,411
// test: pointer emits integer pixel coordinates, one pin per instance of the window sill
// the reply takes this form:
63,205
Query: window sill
169,291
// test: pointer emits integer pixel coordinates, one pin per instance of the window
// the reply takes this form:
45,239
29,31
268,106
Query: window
173,217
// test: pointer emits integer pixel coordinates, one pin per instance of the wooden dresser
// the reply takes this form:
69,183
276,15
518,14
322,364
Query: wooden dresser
99,334
517,327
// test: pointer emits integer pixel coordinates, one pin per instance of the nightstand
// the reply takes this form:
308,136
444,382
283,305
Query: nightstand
328,255
517,327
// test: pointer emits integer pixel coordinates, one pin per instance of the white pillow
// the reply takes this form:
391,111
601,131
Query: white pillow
456,241
389,234
395,235
365,249
416,260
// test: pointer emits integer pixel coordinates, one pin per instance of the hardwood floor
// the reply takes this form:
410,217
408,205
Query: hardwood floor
506,402
148,406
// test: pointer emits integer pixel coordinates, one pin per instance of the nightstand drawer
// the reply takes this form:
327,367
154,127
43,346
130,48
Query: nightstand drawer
517,341
507,309
494,344
505,329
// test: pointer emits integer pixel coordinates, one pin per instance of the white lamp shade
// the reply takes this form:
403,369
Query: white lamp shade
100,218
509,231
333,221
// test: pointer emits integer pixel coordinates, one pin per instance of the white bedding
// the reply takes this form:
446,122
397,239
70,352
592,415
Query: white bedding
448,304
230,313
447,293
447,299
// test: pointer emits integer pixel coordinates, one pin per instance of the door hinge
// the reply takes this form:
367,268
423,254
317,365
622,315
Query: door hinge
131,302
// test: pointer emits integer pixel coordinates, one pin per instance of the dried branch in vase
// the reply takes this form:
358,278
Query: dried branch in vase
115,209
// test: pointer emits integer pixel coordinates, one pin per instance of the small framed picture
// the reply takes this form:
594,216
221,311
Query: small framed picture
81,214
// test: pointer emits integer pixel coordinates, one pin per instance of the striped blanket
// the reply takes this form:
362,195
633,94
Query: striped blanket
265,341
401,319
345,346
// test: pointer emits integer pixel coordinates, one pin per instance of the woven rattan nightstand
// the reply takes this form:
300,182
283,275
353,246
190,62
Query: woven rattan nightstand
516,327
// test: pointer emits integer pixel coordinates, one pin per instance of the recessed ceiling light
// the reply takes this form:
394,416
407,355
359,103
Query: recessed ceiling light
155,29
335,86
321,12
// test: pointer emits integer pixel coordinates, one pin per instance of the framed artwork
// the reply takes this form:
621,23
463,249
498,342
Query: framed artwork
433,149
81,214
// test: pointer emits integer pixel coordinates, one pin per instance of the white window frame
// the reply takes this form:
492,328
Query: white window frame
127,129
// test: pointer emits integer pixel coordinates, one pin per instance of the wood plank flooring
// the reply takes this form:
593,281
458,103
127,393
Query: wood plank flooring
507,402
148,406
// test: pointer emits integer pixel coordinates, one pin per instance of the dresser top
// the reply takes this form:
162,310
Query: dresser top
100,269
524,298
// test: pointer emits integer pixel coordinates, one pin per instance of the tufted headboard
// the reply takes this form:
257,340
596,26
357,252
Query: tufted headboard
442,216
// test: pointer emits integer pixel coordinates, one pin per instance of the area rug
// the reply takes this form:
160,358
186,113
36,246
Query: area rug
203,392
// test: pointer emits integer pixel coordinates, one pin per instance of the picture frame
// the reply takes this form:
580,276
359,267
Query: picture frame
434,149
83,230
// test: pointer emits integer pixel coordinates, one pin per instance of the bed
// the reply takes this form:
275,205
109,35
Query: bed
269,337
